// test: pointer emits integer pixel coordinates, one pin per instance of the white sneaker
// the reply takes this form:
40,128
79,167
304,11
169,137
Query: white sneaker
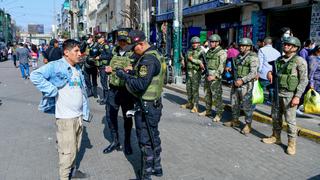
299,112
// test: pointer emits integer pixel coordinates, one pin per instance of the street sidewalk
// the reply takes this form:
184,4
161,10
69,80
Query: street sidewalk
308,124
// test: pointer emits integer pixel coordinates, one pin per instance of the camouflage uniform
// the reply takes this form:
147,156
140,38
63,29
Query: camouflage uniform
193,76
216,60
292,80
299,69
243,95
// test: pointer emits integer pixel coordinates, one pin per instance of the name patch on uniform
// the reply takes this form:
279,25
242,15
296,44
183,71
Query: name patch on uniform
143,71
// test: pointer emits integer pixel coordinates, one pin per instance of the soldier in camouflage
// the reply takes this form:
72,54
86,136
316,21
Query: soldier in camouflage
194,67
246,65
216,60
118,95
292,79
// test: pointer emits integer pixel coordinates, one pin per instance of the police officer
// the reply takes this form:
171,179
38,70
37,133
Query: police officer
90,68
101,62
146,85
194,67
247,64
292,80
118,95
216,60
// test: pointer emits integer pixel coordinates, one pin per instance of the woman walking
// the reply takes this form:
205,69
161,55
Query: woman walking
34,56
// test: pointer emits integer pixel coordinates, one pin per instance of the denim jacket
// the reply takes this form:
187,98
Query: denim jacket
53,76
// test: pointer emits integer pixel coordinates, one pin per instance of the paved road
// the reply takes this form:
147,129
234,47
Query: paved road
192,150
307,121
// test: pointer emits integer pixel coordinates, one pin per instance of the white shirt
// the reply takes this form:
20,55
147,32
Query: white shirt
69,100
266,54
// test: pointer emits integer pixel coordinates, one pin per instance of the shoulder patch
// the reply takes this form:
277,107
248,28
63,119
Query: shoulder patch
143,72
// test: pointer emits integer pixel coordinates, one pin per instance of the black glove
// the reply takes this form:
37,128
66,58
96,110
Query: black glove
121,74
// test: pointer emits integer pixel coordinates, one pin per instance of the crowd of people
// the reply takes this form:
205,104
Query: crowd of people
286,66
131,75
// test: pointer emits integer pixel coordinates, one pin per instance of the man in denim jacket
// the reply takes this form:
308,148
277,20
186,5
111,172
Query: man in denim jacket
64,94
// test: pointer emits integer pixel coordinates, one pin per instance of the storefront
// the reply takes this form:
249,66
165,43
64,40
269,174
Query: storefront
296,17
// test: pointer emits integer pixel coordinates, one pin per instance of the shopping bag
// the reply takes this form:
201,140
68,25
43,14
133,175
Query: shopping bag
311,102
257,93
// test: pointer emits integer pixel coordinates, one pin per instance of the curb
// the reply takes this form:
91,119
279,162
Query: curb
306,133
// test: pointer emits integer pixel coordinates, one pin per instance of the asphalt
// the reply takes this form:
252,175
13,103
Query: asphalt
308,124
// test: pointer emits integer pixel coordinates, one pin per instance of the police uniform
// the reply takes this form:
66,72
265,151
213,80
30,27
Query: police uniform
90,69
118,96
193,76
292,80
247,69
146,85
216,60
101,63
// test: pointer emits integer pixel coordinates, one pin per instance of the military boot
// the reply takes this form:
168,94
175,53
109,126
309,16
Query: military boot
205,113
247,129
146,163
291,150
157,168
187,106
114,145
275,138
195,109
232,123
95,92
217,118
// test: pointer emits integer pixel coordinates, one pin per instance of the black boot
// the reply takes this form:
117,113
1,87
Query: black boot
147,162
95,92
104,100
115,145
157,168
127,147
89,92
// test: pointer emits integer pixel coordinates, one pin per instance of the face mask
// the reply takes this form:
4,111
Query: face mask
313,46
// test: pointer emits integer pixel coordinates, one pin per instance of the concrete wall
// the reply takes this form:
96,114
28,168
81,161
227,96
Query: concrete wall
195,21
246,13
277,3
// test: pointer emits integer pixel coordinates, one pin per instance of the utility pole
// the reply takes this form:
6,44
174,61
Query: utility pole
74,15
54,27
144,15
177,21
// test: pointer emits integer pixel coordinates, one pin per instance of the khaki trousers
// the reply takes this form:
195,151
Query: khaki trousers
69,135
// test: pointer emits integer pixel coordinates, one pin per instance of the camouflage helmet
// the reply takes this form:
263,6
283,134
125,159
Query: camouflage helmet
195,39
245,42
214,37
293,41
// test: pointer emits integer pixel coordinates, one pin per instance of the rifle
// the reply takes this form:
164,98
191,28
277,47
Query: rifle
276,100
234,70
205,64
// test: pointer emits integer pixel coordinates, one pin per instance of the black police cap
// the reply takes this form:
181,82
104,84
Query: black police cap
122,35
135,36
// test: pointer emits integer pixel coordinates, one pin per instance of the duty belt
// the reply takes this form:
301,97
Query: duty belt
155,103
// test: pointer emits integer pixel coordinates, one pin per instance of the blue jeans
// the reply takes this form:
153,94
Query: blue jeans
23,67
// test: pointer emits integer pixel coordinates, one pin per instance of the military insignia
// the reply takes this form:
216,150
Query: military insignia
143,71
122,33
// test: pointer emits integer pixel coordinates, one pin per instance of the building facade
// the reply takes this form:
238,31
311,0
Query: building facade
234,19
6,34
